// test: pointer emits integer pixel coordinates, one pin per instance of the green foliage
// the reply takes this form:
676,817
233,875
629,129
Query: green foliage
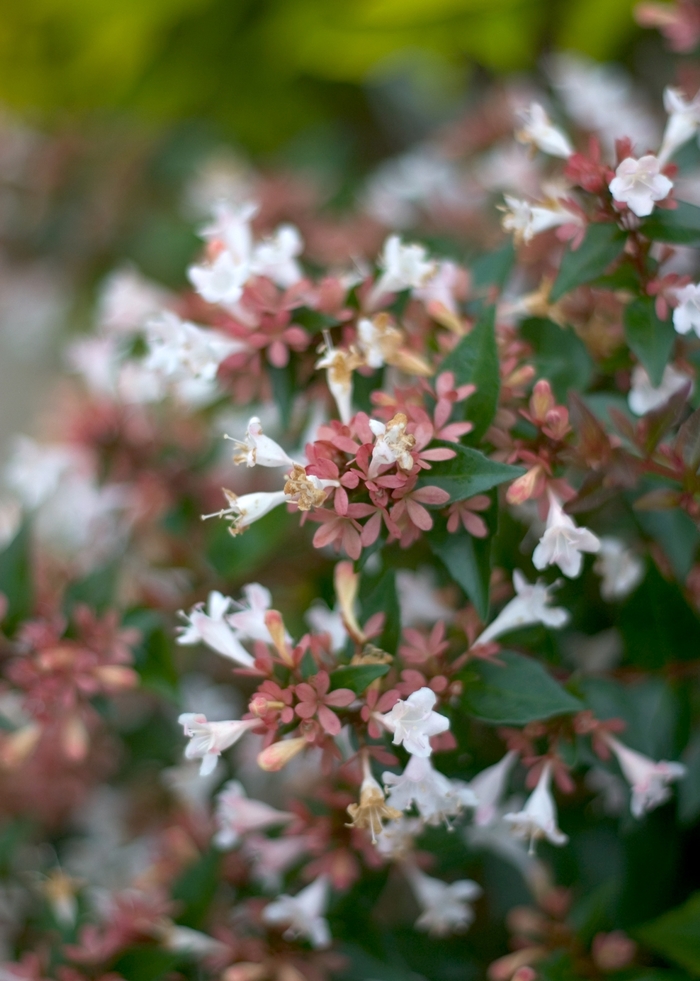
357,677
475,361
378,594
153,657
651,339
146,963
560,356
680,225
16,579
657,624
676,935
468,473
602,244
196,887
467,559
515,692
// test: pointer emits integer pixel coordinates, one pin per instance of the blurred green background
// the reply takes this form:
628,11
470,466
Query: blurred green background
107,107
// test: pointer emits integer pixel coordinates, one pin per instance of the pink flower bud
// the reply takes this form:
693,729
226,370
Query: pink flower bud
613,951
276,756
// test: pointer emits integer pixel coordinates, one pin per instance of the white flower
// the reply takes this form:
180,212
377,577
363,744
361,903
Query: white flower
418,597
236,814
213,629
525,219
686,316
187,784
413,722
95,359
397,838
249,619
538,818
222,280
563,542
489,788
339,365
257,449
392,445
538,130
649,781
34,471
622,570
275,257
126,301
433,794
369,342
231,225
683,122
405,267
529,605
440,289
643,397
185,940
303,914
247,508
209,739
181,350
640,184
445,905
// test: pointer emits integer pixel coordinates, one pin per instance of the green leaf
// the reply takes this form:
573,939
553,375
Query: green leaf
194,890
153,657
283,387
560,356
680,225
146,963
475,361
239,557
651,339
676,935
601,246
378,595
357,677
468,559
16,579
468,473
96,589
494,268
516,692
676,533
689,786
657,624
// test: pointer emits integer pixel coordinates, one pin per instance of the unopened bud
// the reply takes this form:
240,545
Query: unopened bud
246,971
613,951
505,968
260,706
526,486
542,400
276,756
75,739
17,746
116,676
275,624
556,424
346,582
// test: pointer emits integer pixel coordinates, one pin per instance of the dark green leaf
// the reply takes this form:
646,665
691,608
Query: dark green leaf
676,935
468,473
680,225
475,361
16,579
96,590
146,963
689,786
241,556
194,890
378,595
468,559
493,269
357,677
153,654
651,339
657,624
676,533
601,246
516,692
560,356
283,388
688,442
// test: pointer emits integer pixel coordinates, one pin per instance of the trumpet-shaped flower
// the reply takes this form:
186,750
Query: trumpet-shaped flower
208,740
248,508
640,184
212,628
525,219
257,449
180,350
237,814
683,122
222,280
563,542
405,267
303,914
643,397
622,569
433,794
339,365
489,788
445,905
275,257
413,722
539,131
372,810
686,316
529,605
649,781
538,818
